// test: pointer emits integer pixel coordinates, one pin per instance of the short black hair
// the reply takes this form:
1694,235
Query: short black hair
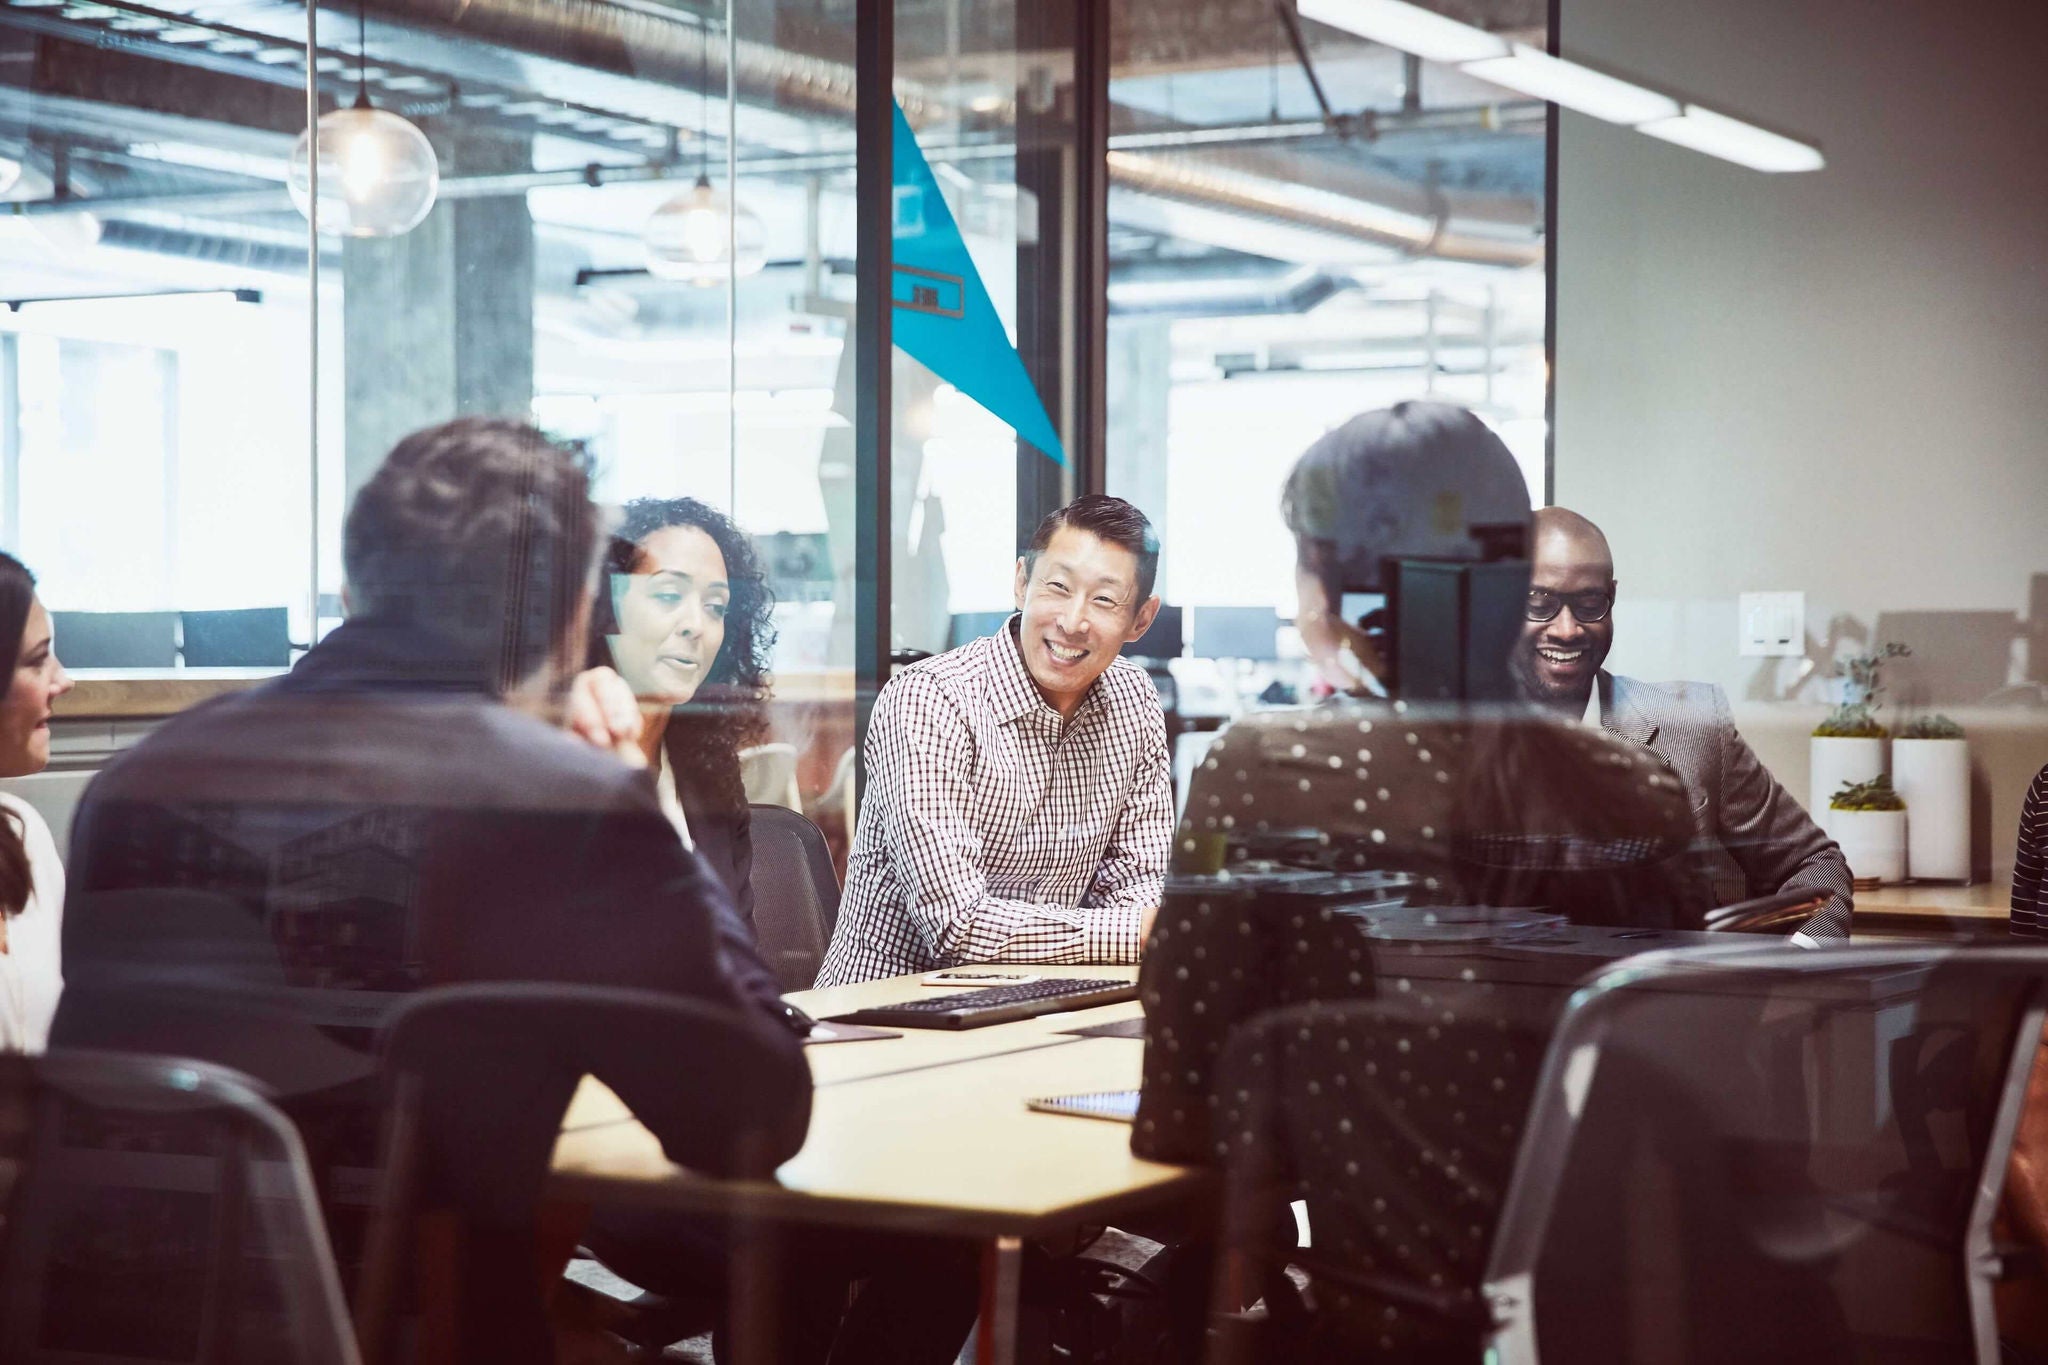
480,530
1105,518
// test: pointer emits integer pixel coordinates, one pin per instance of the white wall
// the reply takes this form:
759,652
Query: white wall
1837,382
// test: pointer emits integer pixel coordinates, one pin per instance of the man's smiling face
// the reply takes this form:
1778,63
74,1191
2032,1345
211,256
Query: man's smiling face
1080,605
1555,661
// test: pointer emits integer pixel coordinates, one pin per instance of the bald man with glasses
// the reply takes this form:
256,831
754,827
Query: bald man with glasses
1738,808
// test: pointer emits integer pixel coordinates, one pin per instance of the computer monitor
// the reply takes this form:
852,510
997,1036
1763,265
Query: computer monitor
1235,632
116,639
972,625
1162,641
252,637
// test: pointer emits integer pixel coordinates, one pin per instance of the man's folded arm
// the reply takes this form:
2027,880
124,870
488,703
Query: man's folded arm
1772,837
936,852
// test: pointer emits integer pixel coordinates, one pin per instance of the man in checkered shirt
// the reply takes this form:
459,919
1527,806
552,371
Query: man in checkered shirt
1018,805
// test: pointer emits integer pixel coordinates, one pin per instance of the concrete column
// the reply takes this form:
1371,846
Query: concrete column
1139,366
439,323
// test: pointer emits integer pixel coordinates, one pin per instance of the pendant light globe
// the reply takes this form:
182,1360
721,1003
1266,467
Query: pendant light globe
700,237
378,173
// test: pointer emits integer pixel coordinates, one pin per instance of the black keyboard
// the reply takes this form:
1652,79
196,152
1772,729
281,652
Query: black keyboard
996,1005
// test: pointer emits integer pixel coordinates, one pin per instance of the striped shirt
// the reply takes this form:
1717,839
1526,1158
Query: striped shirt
990,831
2030,863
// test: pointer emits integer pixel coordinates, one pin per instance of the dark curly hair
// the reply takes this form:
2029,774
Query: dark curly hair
482,531
730,709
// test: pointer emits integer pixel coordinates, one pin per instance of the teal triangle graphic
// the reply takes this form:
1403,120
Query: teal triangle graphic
944,317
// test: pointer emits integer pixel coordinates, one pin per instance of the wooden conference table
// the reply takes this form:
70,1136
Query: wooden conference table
926,1133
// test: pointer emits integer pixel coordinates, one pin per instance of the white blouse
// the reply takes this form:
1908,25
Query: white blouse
31,971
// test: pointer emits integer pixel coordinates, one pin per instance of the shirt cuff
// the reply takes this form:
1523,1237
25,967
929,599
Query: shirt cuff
1801,939
1112,934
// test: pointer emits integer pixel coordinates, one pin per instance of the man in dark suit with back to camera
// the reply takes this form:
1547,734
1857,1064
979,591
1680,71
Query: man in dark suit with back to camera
259,880
1739,808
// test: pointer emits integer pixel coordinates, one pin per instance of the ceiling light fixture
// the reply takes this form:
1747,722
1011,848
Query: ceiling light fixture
1530,71
378,172
701,236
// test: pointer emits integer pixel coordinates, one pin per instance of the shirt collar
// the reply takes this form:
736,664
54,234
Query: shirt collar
1594,710
1012,694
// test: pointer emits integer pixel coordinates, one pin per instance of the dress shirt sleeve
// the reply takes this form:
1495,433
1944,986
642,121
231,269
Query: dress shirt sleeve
2030,853
921,764
1772,838
1133,868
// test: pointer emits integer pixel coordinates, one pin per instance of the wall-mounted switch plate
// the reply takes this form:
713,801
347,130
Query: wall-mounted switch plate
1771,624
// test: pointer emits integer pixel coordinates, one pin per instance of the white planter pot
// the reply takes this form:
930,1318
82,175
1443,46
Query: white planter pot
1933,775
1834,761
1873,842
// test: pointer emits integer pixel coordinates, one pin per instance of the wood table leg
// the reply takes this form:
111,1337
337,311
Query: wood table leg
1002,1274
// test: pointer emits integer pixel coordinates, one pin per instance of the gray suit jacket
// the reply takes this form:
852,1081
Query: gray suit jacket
1738,807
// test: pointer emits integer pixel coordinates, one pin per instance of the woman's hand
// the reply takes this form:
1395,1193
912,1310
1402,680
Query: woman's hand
604,712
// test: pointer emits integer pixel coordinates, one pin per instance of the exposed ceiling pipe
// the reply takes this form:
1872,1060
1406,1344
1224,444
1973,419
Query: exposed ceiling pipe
645,60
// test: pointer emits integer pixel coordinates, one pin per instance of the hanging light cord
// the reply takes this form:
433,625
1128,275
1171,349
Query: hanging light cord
362,55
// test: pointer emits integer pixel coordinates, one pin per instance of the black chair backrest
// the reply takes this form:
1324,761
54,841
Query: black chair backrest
154,1208
1715,1154
796,894
116,639
250,637
478,1079
1813,1141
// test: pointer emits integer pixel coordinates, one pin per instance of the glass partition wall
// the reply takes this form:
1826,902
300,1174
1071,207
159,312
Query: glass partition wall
1304,225
1125,249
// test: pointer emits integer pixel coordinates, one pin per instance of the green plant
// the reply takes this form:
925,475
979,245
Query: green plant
1862,690
1930,727
1876,794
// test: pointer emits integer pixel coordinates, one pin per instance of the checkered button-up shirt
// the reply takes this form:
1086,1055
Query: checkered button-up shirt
991,832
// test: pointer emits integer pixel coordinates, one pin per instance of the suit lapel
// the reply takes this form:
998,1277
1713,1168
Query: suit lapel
1620,714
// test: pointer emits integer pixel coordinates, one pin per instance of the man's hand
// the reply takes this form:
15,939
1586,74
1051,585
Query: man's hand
1145,926
604,712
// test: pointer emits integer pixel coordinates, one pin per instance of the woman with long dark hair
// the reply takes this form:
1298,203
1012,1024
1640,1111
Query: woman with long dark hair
31,875
683,614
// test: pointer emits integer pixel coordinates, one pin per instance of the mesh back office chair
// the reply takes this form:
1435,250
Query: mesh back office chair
1738,1153
478,1078
116,639
1836,1126
796,895
252,637
157,1209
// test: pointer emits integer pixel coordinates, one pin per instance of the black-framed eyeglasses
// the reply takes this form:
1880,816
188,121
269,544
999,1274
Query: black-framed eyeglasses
1587,607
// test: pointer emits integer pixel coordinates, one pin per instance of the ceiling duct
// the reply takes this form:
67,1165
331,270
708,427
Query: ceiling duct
644,61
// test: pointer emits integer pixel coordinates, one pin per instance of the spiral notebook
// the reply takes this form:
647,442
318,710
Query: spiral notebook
1118,1106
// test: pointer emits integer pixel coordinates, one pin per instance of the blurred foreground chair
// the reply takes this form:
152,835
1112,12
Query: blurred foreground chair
1729,1154
478,1078
796,895
153,1208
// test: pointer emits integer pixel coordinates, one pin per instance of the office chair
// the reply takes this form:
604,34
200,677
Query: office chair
1737,1153
477,1079
796,894
154,1208
1839,1124
116,639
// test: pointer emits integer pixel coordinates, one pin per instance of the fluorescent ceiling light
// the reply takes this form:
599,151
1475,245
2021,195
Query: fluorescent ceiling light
1410,28
1537,73
1731,139
1531,71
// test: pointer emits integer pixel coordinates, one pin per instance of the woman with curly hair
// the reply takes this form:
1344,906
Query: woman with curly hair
683,615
